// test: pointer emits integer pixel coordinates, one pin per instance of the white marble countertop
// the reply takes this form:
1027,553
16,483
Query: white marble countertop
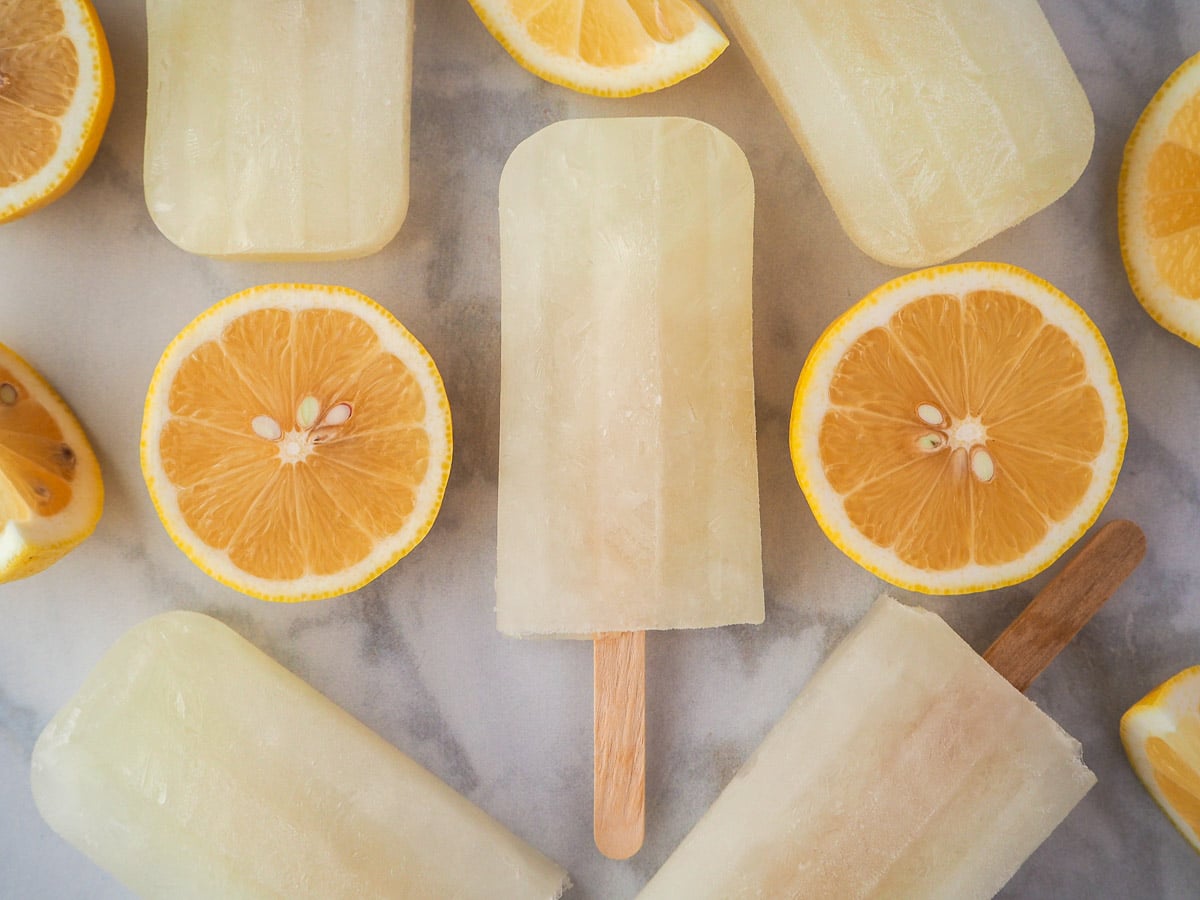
91,293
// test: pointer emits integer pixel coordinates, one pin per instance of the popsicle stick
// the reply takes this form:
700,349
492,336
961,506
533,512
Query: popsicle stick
1065,605
619,736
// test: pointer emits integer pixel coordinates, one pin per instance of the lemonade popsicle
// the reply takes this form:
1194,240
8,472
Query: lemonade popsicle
908,767
191,765
628,482
278,129
932,125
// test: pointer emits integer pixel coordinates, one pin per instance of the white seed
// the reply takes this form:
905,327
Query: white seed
982,465
306,415
930,441
930,414
339,414
8,394
267,428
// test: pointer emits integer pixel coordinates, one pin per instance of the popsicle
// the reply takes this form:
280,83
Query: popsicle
278,129
628,479
908,767
192,765
932,125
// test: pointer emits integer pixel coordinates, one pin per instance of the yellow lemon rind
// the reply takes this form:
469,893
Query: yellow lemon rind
29,547
83,124
1149,717
1178,314
216,564
875,309
603,81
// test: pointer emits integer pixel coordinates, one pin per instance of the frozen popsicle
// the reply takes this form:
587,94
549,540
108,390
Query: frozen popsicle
908,767
932,125
628,484
191,765
278,129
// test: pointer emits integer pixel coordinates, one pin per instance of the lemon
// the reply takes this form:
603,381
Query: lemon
959,428
51,493
1158,204
612,48
296,441
1161,734
56,91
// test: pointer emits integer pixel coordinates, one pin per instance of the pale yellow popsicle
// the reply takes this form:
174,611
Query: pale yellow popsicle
279,128
191,765
628,484
932,125
906,768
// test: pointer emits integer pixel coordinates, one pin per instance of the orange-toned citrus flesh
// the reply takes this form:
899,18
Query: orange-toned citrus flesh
318,498
39,69
1020,427
1172,210
1175,761
36,465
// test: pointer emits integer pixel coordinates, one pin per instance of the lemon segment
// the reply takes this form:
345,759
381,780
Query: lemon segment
1161,734
610,48
1158,204
56,92
51,493
959,428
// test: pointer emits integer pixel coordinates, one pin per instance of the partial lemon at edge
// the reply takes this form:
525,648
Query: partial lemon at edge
51,493
1161,734
610,48
56,92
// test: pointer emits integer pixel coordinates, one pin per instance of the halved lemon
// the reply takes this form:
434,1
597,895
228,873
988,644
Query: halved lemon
51,494
296,441
1158,204
1161,734
611,48
56,91
959,428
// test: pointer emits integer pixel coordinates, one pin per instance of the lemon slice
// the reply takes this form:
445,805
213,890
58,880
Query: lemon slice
611,48
1161,734
959,428
51,494
1158,202
56,91
296,441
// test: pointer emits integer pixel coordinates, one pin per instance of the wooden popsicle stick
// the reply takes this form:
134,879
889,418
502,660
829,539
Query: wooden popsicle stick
619,736
1066,604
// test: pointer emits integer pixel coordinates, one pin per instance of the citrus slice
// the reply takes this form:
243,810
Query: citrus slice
1161,734
611,48
51,494
1158,204
56,90
958,428
296,441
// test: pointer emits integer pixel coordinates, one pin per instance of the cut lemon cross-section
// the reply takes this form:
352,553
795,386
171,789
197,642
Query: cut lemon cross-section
1161,734
50,489
958,428
612,48
296,441
56,91
1158,201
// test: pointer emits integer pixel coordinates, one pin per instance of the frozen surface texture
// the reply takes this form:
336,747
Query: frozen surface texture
278,129
907,768
628,495
191,765
932,124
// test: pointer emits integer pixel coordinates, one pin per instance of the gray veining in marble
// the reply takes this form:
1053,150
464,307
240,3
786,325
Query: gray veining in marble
92,293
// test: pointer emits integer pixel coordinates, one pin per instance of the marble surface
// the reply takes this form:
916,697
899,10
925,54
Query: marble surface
92,293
